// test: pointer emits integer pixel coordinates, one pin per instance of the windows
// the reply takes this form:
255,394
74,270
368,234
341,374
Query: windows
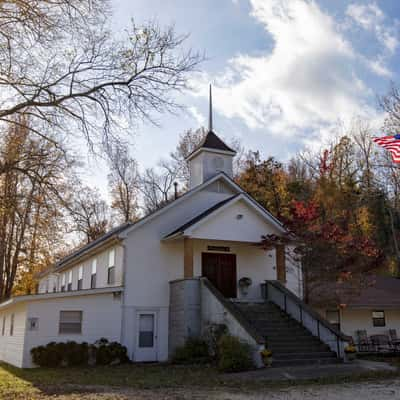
146,330
69,287
333,318
111,275
111,258
3,329
12,325
94,274
80,278
33,324
378,318
70,322
111,267
63,283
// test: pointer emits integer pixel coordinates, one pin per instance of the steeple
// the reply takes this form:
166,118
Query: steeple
210,111
211,156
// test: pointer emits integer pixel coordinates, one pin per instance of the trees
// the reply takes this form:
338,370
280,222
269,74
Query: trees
61,65
156,186
331,252
32,179
391,105
343,228
188,142
66,79
123,182
267,182
90,214
333,202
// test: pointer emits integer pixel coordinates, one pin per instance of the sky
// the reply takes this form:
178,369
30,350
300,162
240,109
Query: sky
286,74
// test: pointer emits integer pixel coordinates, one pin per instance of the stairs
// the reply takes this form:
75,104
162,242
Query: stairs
290,343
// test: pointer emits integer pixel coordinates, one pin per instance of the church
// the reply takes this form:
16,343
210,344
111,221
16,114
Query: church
152,284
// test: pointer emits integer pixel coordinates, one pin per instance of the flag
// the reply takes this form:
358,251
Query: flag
392,144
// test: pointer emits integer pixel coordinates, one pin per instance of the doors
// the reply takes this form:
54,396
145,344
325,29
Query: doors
146,336
220,270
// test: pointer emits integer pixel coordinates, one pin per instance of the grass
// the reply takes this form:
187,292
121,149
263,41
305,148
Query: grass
130,375
42,382
11,386
76,383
